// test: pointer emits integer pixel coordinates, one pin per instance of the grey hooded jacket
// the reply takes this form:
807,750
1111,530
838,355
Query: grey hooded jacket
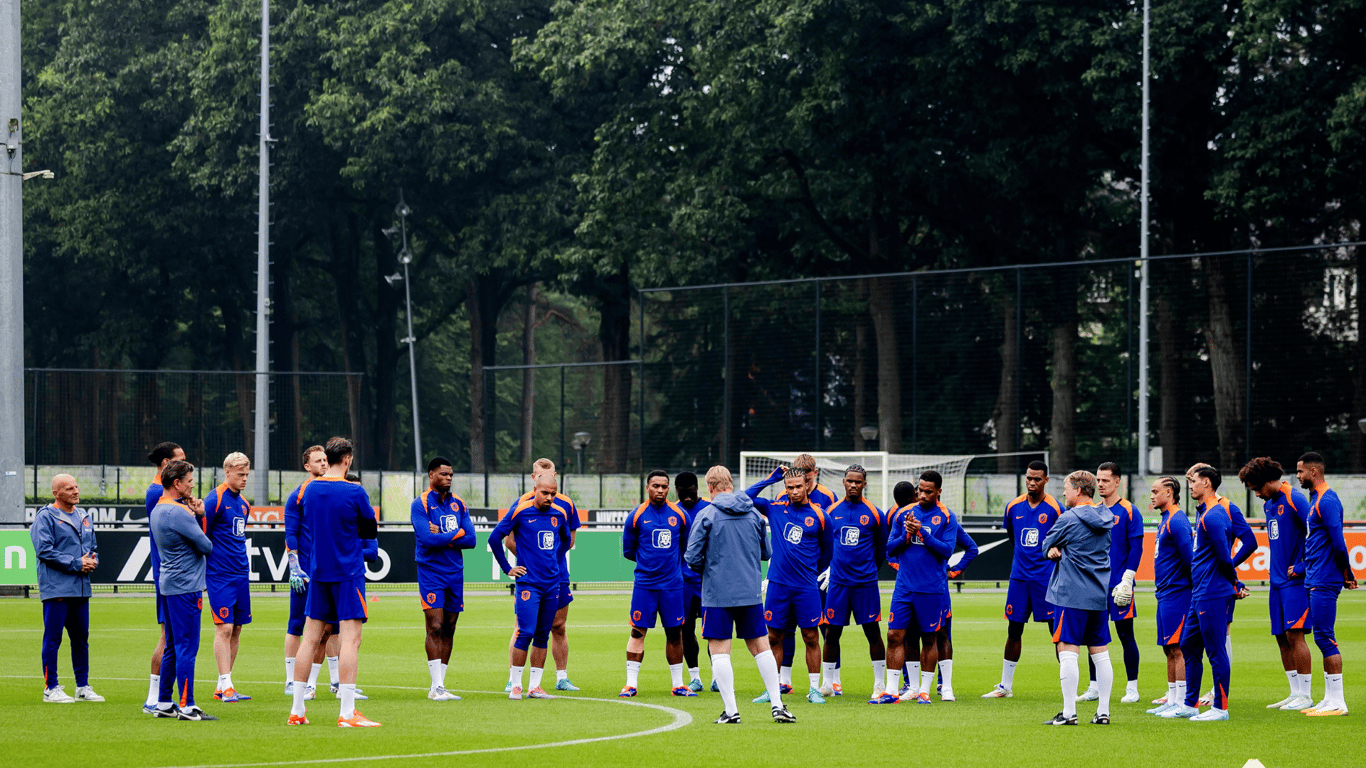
728,540
1083,574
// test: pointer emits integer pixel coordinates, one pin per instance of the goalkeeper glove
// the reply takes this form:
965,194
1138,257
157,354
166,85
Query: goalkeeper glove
823,579
1123,593
298,580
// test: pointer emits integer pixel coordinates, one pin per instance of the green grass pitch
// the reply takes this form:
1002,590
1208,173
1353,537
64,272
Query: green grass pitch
845,731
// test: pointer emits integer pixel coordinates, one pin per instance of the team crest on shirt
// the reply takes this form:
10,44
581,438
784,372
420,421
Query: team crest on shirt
793,533
863,520
554,522
1043,518
663,538
1273,529
849,536
935,520
810,521
1116,519
449,523
673,520
1029,537
547,540
239,526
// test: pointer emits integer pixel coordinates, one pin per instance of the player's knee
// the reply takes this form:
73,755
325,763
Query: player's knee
522,641
673,634
1015,630
1327,642
636,634
541,641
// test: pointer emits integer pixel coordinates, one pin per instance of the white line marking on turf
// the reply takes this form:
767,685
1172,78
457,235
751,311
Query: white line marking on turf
681,720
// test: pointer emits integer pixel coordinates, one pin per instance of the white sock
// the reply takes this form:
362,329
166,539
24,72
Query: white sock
926,682
632,674
225,682
334,670
442,679
1294,677
298,707
695,673
837,673
879,673
313,675
1171,692
946,670
1333,689
785,675
676,675
913,677
153,690
1105,680
1228,647
893,681
1008,674
535,681
828,670
561,674
434,670
515,676
1131,687
348,699
1067,672
725,680
1180,692
768,670
289,669
1306,686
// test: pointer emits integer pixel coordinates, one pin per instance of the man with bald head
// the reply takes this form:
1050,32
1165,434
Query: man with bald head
64,542
540,529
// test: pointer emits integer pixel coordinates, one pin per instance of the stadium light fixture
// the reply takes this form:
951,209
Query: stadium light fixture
405,257
580,441
869,433
394,279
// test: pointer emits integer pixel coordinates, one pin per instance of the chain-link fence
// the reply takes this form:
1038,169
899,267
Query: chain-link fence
89,417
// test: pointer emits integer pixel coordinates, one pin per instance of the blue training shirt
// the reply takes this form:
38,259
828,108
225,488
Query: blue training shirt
440,556
691,577
1325,548
335,513
655,538
1287,519
566,505
154,494
1126,540
1028,525
859,540
800,537
921,558
297,538
539,535
1212,569
1173,551
225,523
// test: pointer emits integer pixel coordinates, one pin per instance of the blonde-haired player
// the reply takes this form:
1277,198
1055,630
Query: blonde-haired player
228,572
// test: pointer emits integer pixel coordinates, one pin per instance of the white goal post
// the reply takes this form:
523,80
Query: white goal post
885,470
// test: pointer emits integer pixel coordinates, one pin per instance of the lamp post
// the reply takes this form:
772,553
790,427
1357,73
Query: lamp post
405,257
869,433
580,441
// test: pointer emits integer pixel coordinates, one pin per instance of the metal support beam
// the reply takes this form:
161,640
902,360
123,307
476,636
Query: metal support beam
262,424
1141,464
11,271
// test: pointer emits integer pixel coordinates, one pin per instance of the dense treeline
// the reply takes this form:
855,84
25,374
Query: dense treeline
557,156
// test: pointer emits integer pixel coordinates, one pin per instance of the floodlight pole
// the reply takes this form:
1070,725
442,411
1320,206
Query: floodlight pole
1141,465
406,257
262,425
11,271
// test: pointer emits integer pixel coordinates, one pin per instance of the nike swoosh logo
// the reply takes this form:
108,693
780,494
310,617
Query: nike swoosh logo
958,556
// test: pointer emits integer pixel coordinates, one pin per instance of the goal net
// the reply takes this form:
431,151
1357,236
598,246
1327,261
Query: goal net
885,470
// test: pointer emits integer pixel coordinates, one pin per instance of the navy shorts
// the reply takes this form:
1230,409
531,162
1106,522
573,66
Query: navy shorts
1120,614
298,612
789,607
565,597
922,611
1289,609
1171,617
1024,597
1075,626
863,601
230,601
334,601
692,601
446,594
746,620
645,603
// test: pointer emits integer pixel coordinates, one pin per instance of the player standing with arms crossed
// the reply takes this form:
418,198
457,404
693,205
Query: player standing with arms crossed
728,541
922,541
160,456
339,517
1079,542
1126,550
64,544
1172,582
1028,519
655,539
184,551
443,530
1327,571
538,528
800,545
859,546
685,485
229,572
1287,512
